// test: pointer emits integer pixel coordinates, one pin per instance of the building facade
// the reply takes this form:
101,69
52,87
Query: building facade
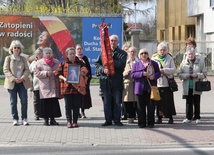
179,19
173,24
203,11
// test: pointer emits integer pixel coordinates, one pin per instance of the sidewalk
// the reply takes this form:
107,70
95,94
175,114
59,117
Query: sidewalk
91,132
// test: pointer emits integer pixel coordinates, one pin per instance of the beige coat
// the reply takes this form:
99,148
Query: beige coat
128,91
198,68
10,71
48,86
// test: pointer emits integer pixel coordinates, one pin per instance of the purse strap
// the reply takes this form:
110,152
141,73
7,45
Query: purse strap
147,71
149,82
204,78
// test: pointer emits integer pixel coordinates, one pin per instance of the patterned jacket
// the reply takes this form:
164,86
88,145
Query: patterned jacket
68,88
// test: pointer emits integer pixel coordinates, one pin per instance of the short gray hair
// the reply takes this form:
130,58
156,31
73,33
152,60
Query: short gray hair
163,44
15,43
191,49
47,49
115,36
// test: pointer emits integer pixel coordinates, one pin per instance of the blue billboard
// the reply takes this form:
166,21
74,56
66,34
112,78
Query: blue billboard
91,36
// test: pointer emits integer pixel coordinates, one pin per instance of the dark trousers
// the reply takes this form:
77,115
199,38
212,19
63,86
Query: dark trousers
145,104
72,105
36,102
130,109
192,100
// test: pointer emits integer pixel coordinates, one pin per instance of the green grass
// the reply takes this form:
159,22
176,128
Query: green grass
1,81
95,80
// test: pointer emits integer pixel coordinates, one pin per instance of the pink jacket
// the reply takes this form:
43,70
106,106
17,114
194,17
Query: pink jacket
48,86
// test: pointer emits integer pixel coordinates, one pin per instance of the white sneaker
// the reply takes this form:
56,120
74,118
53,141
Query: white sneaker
186,121
15,122
198,121
24,122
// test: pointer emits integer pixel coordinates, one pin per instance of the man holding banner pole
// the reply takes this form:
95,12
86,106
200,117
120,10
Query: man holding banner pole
112,84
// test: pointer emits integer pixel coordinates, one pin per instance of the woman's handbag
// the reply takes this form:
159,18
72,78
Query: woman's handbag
172,84
203,85
155,94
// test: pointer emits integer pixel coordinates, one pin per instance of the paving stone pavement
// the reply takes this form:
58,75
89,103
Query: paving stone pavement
91,132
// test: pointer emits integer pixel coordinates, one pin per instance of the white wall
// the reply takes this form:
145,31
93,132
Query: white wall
151,46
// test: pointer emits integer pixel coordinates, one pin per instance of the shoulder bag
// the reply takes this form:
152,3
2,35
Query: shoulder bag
172,84
155,94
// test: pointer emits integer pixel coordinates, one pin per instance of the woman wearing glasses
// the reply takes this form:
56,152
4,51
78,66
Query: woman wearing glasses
17,80
144,72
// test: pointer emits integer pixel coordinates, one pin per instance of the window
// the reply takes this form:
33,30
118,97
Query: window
162,34
212,3
191,31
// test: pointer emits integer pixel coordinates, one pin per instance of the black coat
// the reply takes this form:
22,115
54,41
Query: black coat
115,81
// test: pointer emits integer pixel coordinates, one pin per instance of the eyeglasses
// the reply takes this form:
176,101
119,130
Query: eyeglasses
113,40
16,47
144,53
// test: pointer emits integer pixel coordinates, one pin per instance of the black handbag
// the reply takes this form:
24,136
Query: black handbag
172,84
203,85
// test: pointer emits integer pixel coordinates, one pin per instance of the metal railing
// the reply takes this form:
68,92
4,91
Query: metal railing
204,48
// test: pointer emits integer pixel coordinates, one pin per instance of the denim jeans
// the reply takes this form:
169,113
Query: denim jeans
22,92
112,105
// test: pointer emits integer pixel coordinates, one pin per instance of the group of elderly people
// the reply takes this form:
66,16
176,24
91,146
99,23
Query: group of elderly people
139,73
49,84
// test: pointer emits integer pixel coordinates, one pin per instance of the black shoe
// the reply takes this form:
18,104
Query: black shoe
84,116
124,117
170,121
107,123
36,118
80,116
151,126
118,123
159,121
46,122
53,122
141,126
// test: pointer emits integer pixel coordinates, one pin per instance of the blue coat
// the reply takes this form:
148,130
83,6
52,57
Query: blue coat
139,79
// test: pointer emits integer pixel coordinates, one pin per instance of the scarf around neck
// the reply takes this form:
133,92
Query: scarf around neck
50,61
161,58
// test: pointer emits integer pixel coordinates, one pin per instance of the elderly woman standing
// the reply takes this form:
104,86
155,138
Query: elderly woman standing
17,80
166,106
48,87
86,99
191,70
144,72
35,88
72,92
129,98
